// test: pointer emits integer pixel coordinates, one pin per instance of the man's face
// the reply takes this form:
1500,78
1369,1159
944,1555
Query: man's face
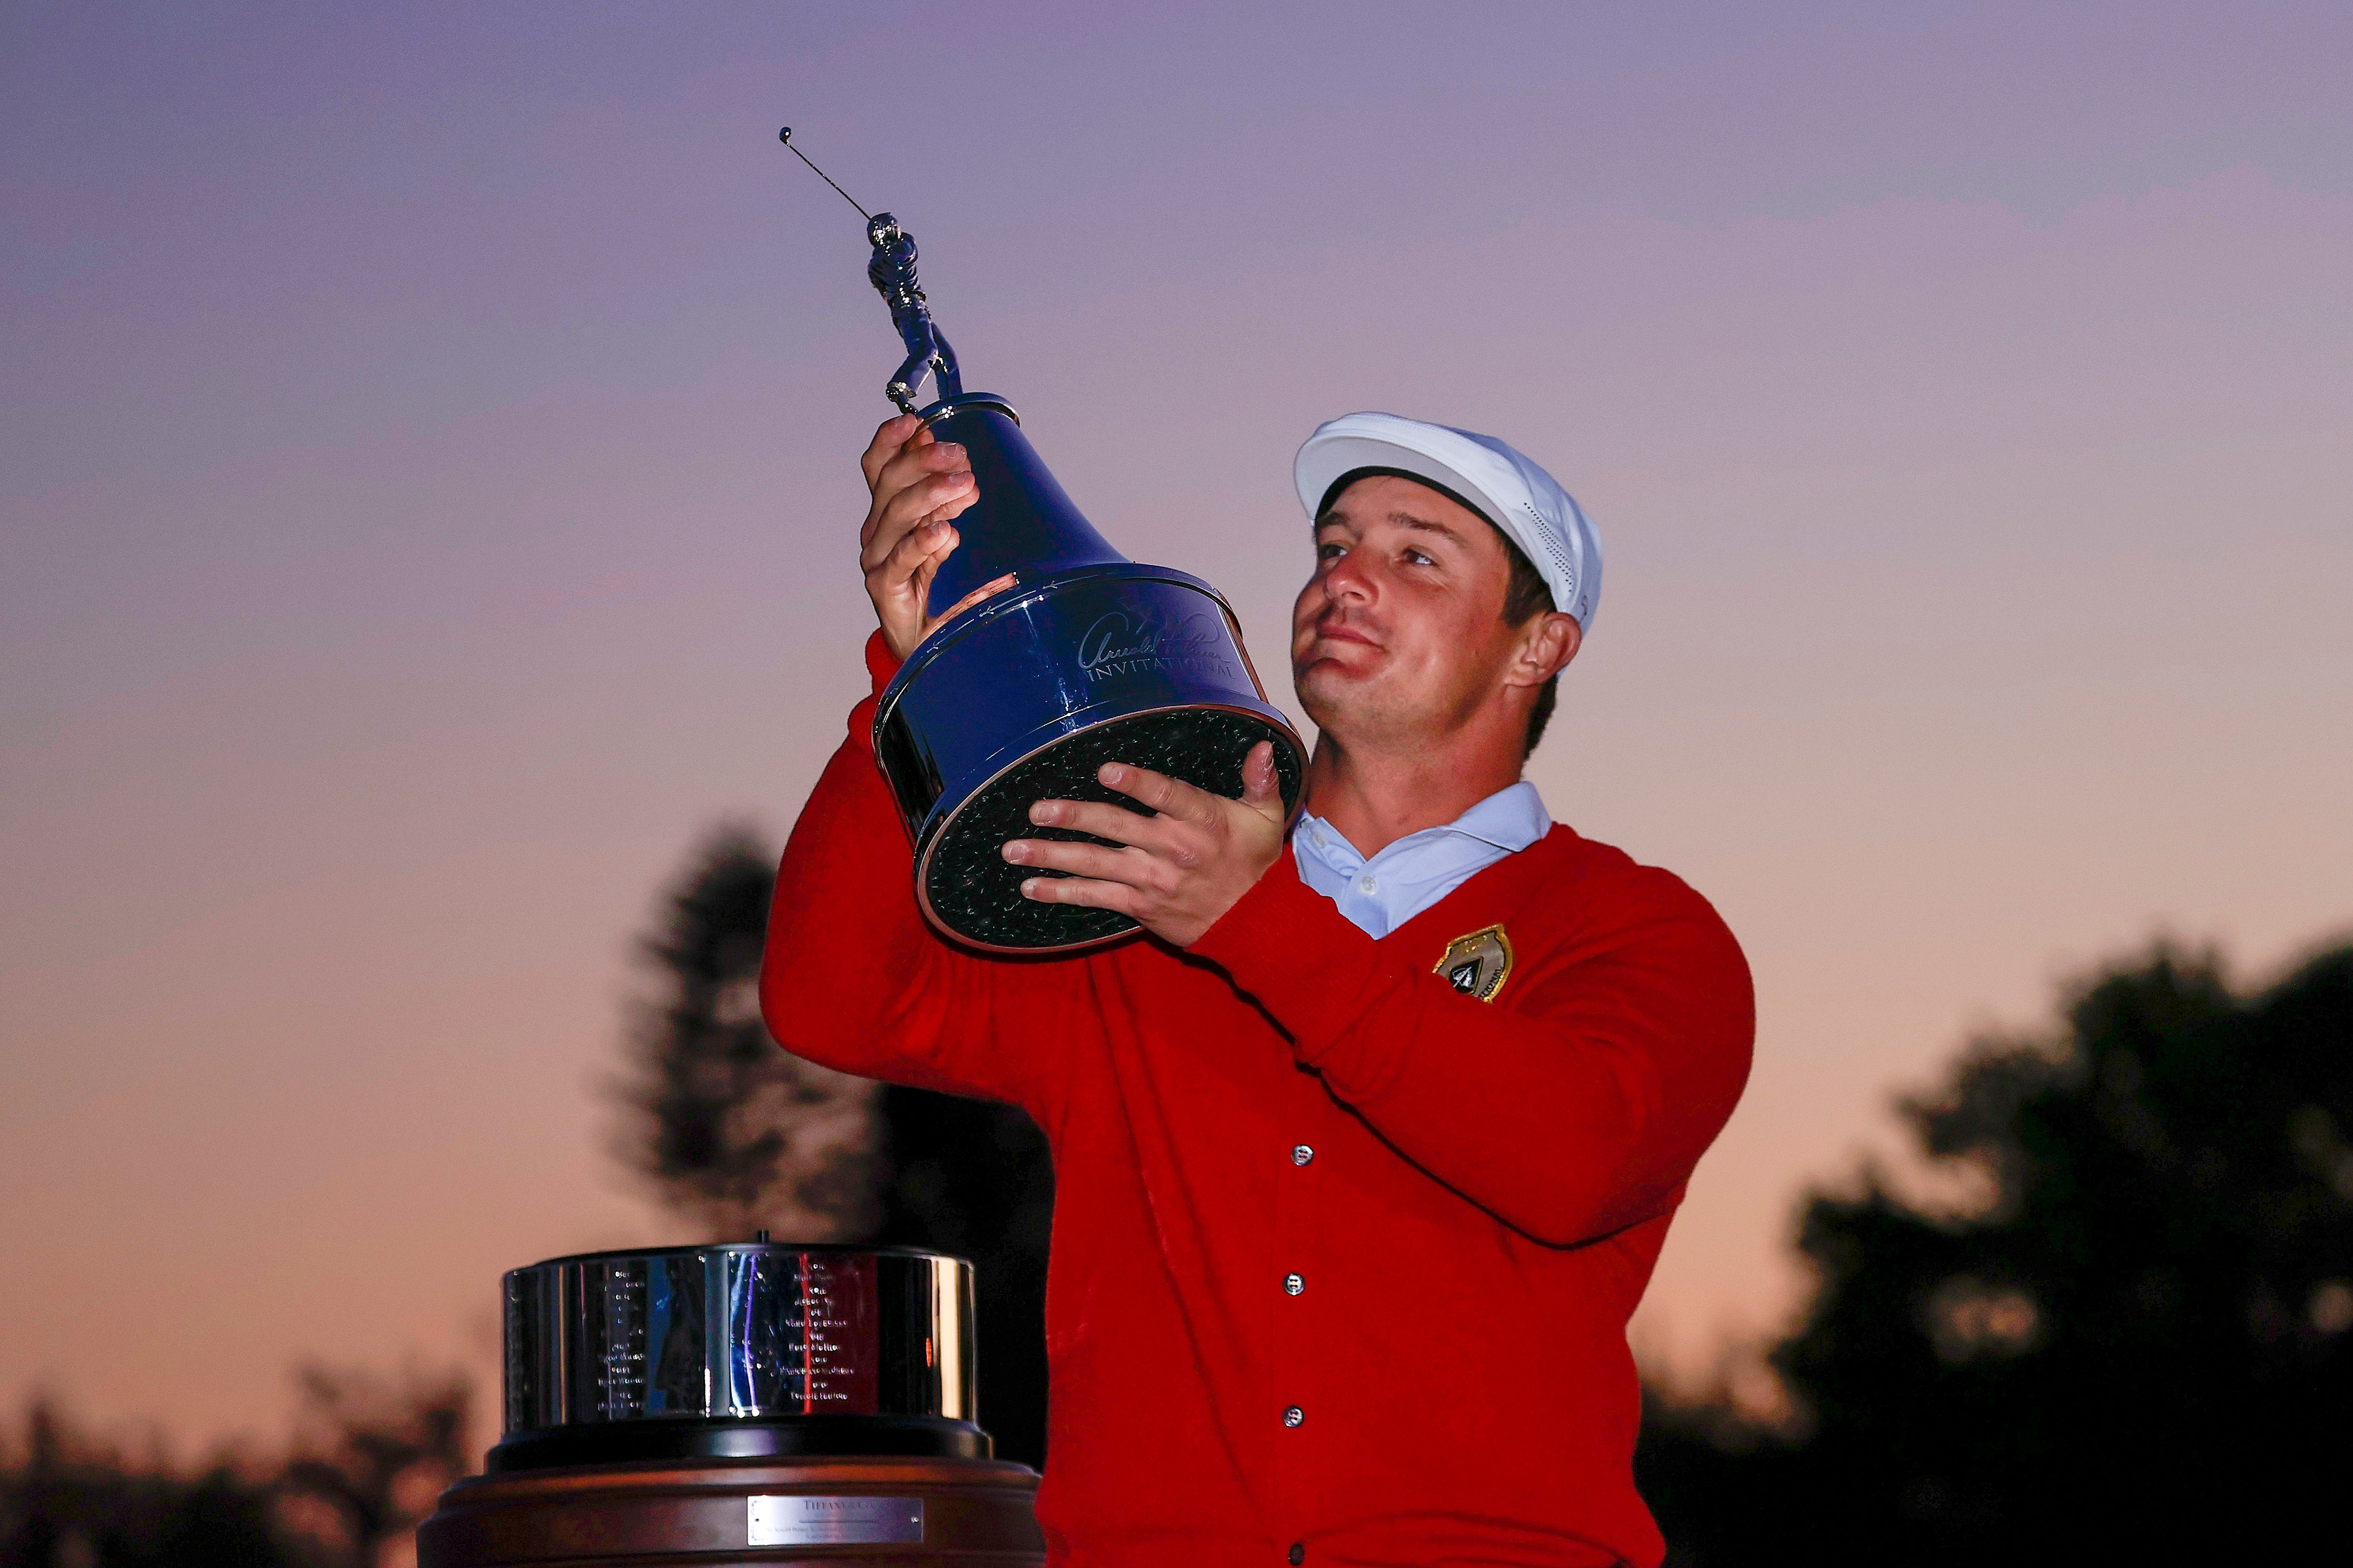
1400,634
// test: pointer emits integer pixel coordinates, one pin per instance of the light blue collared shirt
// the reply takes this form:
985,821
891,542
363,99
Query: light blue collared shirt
1384,892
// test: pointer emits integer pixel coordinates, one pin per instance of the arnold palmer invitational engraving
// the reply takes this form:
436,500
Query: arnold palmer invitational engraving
1121,643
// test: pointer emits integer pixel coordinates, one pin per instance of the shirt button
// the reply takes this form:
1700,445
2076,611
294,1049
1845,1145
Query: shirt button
1294,1416
1368,885
1301,1153
1297,1554
1293,1284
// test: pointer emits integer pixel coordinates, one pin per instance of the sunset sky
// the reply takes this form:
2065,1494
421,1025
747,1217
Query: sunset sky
430,494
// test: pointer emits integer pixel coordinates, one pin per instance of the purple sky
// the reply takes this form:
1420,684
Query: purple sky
430,494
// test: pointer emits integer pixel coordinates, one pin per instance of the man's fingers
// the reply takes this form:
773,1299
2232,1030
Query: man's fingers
1116,896
932,500
889,436
916,555
1103,819
1170,797
1129,868
918,460
919,484
1262,788
913,482
925,492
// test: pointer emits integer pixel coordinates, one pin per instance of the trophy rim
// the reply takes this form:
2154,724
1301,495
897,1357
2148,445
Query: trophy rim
848,1248
932,412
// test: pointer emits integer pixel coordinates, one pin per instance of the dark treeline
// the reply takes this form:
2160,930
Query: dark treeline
369,1455
2129,1339
2131,1346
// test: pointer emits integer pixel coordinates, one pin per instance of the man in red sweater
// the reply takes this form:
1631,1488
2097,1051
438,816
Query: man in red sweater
1364,1151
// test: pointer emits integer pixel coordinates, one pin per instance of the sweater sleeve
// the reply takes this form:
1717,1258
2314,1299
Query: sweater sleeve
1572,1110
853,978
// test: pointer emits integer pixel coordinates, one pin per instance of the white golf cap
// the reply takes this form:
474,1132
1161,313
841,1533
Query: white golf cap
1497,482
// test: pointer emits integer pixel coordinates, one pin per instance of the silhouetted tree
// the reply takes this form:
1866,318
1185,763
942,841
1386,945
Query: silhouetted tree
66,1502
2130,1344
375,1453
222,1520
732,1130
741,1135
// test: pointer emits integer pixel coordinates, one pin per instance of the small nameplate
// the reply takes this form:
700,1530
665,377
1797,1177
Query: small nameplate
834,1521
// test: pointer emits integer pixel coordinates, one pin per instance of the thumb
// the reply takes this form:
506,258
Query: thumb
985,591
1261,789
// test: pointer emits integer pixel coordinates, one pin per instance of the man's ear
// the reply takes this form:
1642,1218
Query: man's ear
1546,645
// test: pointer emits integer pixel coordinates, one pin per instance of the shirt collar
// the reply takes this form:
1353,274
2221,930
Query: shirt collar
1510,820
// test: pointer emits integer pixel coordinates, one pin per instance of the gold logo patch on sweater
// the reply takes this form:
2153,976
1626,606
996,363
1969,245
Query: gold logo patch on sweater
1478,965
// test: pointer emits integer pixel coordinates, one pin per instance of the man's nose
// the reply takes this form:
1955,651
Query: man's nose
1351,579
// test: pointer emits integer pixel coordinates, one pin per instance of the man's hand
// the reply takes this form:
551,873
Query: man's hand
920,486
1181,870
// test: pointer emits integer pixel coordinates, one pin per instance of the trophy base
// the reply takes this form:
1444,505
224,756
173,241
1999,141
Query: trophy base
968,888
900,1513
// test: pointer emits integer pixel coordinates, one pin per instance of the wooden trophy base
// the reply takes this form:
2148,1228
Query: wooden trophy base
911,1512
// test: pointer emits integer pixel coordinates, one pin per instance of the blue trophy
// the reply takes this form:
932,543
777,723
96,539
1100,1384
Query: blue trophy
1088,658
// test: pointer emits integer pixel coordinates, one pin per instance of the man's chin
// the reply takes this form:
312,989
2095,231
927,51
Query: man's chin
1352,661
1329,689
1326,674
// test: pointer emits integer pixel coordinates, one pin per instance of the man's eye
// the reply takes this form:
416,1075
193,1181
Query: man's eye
1330,550
1416,557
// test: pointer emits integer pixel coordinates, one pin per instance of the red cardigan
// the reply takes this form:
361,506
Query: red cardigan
1343,1257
